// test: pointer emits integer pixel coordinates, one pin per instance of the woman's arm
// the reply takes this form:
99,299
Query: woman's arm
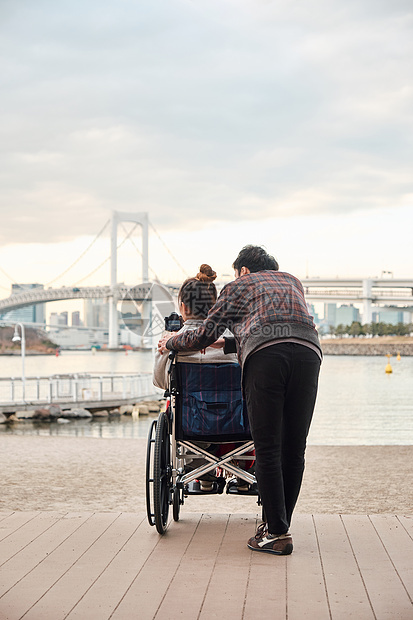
162,343
160,367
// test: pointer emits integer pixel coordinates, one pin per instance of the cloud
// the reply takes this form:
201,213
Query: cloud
201,111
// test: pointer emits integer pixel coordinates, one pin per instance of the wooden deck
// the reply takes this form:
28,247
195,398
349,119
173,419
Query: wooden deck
113,565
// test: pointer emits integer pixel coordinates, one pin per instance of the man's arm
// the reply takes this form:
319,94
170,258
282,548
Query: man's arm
221,316
194,340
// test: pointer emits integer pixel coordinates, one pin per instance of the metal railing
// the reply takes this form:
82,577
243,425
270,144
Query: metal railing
75,388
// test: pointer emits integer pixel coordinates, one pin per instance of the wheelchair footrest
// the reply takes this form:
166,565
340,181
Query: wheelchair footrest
233,489
194,488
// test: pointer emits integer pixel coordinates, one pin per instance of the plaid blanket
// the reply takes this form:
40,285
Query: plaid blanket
211,400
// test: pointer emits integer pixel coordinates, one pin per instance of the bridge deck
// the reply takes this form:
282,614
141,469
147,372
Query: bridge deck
111,565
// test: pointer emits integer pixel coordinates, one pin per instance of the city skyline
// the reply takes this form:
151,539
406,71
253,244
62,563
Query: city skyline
389,295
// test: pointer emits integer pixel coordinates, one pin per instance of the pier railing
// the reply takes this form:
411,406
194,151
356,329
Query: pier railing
75,388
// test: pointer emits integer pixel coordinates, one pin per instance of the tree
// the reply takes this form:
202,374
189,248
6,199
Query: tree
402,329
355,329
341,330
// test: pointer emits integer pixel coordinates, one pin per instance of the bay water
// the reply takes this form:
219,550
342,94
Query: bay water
357,404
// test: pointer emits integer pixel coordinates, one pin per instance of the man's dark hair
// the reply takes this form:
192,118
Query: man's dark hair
255,259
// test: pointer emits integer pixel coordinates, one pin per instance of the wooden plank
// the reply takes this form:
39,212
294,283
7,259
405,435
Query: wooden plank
346,593
148,588
399,546
28,558
387,594
19,599
266,595
306,592
14,521
225,593
63,596
4,515
111,586
186,591
26,534
87,566
407,523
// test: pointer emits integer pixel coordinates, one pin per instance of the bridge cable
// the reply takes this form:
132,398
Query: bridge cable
140,253
169,251
7,275
106,259
81,255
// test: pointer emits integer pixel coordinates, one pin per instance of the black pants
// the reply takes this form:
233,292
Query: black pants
280,385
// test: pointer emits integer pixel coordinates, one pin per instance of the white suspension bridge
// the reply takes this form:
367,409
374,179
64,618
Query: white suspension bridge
18,393
365,291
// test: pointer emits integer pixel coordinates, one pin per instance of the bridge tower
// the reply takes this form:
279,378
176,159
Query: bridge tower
117,217
367,301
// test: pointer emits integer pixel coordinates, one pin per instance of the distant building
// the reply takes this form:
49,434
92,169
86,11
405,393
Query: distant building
391,315
96,313
131,317
28,314
330,311
346,315
73,338
57,320
407,316
54,319
76,321
343,315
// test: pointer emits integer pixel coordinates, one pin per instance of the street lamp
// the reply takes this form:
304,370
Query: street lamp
22,339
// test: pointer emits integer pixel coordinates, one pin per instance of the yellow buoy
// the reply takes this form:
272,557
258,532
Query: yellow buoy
388,370
398,358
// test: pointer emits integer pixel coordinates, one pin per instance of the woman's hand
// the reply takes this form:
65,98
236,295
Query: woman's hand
162,343
218,344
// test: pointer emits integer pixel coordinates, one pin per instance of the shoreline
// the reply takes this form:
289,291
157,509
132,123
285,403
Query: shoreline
27,353
382,345
83,474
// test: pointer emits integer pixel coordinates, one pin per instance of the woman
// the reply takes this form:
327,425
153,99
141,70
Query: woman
195,298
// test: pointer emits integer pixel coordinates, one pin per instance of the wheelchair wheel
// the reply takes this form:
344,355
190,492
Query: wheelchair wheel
176,504
149,473
162,474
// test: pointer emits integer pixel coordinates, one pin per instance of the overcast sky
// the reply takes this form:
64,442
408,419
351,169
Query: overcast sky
284,123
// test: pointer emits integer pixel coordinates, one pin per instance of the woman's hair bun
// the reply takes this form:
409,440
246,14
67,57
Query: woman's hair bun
206,274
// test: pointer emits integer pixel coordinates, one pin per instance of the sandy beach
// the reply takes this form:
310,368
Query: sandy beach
86,474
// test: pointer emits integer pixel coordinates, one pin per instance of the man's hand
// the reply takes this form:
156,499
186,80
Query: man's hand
218,344
162,343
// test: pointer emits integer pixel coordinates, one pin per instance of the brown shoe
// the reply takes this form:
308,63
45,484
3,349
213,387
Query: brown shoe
271,543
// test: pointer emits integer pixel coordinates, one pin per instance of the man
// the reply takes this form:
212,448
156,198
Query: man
280,355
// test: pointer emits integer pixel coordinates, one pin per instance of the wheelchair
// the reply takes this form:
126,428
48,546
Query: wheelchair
203,432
